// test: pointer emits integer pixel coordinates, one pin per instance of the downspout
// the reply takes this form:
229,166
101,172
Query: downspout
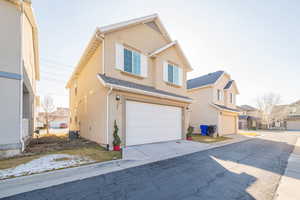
21,81
107,115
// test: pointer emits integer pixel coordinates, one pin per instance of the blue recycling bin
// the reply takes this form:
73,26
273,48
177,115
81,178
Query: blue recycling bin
204,129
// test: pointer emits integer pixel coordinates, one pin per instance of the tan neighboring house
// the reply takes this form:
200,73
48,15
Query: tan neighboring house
57,119
293,118
134,73
214,102
249,117
19,70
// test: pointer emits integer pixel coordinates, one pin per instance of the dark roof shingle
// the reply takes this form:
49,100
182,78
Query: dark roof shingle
207,79
228,85
129,84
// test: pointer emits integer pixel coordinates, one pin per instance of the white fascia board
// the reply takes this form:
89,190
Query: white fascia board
112,27
163,48
225,110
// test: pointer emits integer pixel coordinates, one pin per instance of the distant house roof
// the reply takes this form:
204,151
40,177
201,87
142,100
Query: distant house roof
207,79
246,117
247,108
229,84
225,108
145,88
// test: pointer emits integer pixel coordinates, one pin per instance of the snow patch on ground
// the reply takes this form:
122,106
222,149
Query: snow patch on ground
45,163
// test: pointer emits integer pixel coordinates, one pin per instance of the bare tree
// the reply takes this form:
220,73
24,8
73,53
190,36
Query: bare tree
266,105
48,107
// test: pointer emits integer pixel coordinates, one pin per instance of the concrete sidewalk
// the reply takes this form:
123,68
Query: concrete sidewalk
289,185
33,182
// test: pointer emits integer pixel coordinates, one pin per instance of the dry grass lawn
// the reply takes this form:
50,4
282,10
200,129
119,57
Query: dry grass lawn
60,144
208,139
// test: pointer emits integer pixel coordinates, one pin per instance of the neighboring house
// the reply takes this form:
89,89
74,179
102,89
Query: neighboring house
249,117
214,102
19,70
58,118
134,73
293,118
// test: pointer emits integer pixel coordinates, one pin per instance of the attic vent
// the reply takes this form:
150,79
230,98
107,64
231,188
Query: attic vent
153,25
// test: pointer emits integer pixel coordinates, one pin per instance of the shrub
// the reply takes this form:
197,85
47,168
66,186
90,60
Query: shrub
190,131
117,140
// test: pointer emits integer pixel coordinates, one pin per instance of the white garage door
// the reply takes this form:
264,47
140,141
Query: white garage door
148,123
228,124
293,125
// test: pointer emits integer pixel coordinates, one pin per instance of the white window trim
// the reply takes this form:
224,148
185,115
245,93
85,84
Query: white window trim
166,74
132,61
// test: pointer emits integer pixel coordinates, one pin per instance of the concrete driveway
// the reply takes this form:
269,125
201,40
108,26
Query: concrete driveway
162,150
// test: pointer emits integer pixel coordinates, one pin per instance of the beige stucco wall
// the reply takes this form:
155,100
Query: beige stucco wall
202,113
10,38
28,52
10,89
10,111
144,40
89,105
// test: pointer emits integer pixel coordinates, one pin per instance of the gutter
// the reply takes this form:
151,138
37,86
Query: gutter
107,115
222,109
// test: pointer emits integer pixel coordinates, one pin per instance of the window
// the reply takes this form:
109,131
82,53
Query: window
132,62
219,95
173,74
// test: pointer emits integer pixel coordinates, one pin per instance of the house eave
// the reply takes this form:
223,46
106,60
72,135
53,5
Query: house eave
143,92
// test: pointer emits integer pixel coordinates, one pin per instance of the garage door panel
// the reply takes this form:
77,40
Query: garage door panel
293,125
228,124
148,123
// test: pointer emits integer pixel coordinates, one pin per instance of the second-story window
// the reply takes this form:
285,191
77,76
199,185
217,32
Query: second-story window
172,74
132,62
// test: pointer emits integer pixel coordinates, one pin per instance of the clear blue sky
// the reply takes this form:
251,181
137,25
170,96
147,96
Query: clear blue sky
257,42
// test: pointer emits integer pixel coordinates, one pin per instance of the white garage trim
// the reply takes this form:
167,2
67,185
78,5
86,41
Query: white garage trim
150,123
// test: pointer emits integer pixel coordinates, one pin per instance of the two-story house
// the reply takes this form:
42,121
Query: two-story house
19,70
134,73
249,117
214,102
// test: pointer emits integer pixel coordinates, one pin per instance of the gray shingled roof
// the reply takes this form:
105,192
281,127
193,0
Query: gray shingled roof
247,108
228,85
207,79
128,84
227,108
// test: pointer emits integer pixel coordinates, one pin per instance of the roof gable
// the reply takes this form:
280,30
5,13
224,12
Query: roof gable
178,49
152,21
231,84
205,80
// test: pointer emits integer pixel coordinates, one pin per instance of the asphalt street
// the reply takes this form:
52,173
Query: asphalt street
244,170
